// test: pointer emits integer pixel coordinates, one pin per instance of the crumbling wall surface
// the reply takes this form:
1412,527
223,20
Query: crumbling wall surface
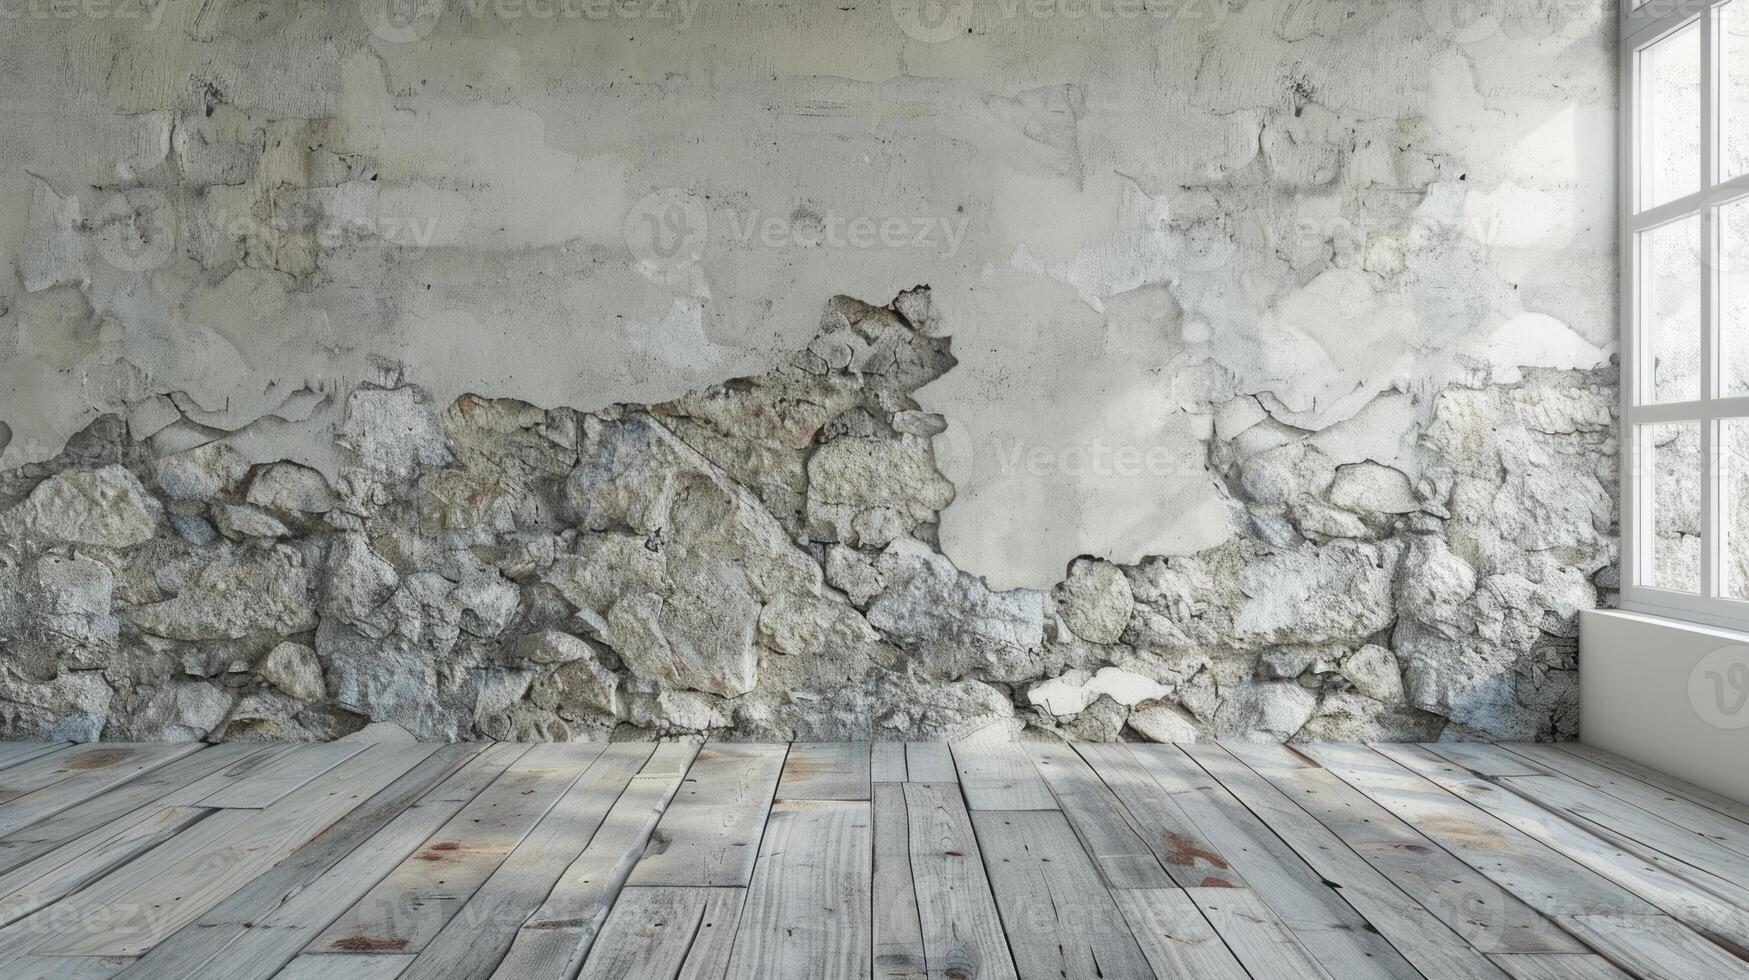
760,559
371,361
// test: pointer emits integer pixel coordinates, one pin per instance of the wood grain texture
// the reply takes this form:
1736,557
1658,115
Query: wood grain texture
13,753
43,787
287,772
1175,936
1256,935
263,925
1662,782
825,771
930,762
1558,966
1487,916
557,937
472,943
1000,776
1520,861
898,931
1541,877
1182,849
962,930
1061,920
1103,824
56,875
709,836
1417,934
1675,807
1327,926
406,910
807,913
887,762
665,933
1656,947
1657,886
142,918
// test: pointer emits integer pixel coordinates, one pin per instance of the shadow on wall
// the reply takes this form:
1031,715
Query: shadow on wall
760,559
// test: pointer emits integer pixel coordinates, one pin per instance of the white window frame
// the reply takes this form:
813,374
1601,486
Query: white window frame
1641,26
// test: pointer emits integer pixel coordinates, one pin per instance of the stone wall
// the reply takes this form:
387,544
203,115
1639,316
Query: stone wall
759,560
1263,384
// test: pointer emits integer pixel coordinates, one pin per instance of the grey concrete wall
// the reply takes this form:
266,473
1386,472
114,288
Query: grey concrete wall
1303,296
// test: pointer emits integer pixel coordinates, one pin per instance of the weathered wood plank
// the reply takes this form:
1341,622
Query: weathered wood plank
1660,888
1417,934
1328,927
94,906
66,967
48,842
962,930
1255,935
1106,830
252,934
1541,877
181,894
190,793
898,932
1682,851
333,966
1000,776
43,882
1665,783
407,909
1557,966
887,762
825,771
1673,807
1174,838
666,933
476,939
807,913
1484,759
1656,947
288,771
1175,937
1060,919
557,937
13,753
930,762
1487,916
43,787
709,835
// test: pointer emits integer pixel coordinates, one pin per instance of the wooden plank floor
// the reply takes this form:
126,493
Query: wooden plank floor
859,860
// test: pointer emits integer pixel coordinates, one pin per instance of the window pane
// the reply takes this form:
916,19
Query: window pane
1734,459
1733,221
1670,279
1674,471
1670,99
1734,87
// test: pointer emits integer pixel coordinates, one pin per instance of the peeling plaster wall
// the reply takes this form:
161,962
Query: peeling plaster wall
1302,296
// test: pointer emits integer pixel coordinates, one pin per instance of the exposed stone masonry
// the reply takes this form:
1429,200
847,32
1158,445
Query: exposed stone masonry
759,560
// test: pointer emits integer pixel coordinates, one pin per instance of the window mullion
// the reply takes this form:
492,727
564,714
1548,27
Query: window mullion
1712,544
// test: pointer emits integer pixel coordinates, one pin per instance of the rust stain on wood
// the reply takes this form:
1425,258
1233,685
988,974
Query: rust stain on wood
1184,852
369,944
98,758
